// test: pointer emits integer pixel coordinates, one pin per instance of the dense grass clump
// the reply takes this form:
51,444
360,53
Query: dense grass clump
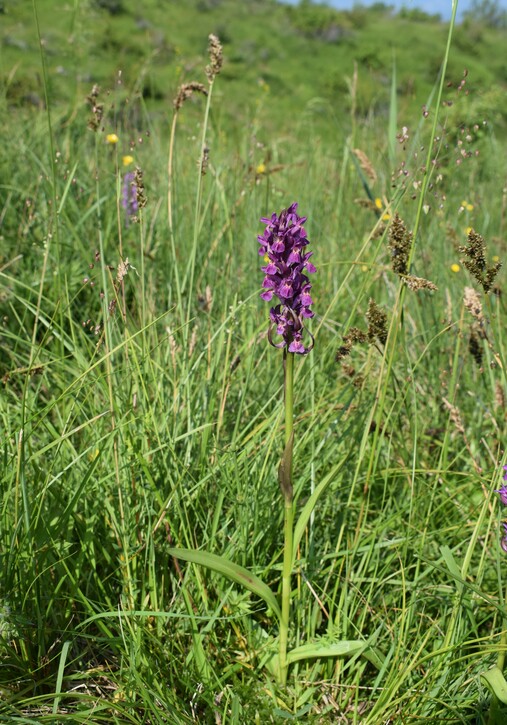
141,403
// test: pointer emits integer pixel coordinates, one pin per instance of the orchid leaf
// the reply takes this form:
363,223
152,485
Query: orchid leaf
345,648
306,513
231,571
495,681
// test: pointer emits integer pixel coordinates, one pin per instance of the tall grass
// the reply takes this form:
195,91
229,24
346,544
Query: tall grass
142,413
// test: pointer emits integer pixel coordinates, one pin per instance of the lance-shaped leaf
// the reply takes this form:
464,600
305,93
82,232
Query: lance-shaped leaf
345,648
231,571
496,683
306,513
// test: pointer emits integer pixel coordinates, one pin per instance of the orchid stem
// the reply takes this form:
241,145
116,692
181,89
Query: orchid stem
500,660
288,525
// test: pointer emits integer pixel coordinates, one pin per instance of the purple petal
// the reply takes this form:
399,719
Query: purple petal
297,346
294,257
503,542
305,298
502,492
285,290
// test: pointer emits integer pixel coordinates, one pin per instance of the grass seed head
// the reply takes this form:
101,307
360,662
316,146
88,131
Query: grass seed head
475,261
400,242
216,57
472,301
353,336
419,283
186,90
97,108
377,323
140,192
365,164
474,345
455,416
500,400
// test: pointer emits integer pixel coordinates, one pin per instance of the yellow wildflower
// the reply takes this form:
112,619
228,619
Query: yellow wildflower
379,205
261,169
468,230
127,160
455,267
93,454
112,138
495,258
466,205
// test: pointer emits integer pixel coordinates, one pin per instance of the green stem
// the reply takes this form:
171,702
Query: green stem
197,209
289,396
500,659
288,525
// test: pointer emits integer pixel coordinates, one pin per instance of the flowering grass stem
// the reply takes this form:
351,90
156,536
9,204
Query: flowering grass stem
170,212
197,208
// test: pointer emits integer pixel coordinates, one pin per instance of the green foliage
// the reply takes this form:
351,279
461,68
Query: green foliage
486,12
319,21
140,415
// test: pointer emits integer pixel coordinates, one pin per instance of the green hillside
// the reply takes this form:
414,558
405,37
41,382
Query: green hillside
284,62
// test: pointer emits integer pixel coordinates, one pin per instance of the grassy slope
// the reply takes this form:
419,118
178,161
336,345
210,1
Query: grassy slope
164,44
168,430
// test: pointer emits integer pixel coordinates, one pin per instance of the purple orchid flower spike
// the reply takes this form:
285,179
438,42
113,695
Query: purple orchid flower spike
503,542
287,264
129,195
502,492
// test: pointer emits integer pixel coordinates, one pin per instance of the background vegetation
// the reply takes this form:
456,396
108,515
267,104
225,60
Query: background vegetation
140,405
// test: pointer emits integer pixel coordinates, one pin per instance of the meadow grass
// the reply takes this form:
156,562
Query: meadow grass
141,411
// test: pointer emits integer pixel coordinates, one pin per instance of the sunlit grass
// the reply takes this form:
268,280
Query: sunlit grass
140,411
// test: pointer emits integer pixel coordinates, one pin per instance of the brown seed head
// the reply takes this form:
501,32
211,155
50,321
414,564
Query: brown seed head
216,57
377,323
97,108
474,344
186,90
455,416
472,301
140,192
475,261
365,164
400,242
418,283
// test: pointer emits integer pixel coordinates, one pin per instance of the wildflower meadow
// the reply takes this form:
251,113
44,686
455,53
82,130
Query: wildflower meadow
252,364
